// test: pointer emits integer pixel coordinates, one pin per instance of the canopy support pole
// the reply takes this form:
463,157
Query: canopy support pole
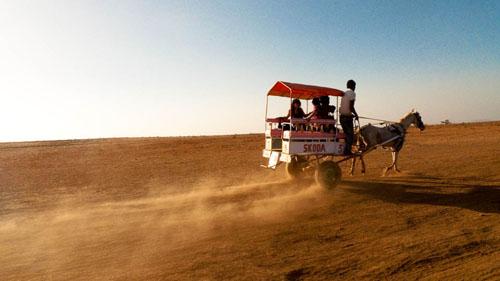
265,118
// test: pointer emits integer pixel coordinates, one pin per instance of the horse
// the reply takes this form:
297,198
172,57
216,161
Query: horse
392,137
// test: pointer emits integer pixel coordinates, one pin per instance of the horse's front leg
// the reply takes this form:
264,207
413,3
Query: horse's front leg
353,164
392,165
395,163
363,166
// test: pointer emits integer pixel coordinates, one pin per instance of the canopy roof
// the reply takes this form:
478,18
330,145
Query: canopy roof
301,91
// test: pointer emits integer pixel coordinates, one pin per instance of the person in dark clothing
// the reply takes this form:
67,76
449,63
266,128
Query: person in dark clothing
327,112
296,111
347,114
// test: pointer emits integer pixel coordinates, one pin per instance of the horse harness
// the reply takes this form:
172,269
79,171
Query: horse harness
398,129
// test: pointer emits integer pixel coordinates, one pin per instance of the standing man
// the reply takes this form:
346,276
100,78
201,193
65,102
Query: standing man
347,113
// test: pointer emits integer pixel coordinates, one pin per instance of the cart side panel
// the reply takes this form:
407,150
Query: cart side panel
313,147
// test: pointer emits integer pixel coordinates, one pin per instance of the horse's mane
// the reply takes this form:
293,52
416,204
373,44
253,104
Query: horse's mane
406,116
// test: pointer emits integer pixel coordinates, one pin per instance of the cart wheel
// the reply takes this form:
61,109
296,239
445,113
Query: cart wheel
328,174
294,169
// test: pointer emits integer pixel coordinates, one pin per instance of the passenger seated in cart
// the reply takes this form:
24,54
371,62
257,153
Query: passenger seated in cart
295,112
327,112
315,114
326,108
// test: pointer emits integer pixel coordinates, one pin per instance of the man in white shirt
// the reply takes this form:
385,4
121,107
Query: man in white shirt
347,113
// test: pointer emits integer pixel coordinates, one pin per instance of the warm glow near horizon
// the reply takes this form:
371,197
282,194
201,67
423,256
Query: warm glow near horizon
90,69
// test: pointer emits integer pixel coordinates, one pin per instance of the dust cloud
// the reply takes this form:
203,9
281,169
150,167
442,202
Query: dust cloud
131,232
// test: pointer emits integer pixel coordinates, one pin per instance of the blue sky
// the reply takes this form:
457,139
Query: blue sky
86,69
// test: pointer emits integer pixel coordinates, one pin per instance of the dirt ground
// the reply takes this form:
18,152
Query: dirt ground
201,208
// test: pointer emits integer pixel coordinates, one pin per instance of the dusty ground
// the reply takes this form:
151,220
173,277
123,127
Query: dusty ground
202,208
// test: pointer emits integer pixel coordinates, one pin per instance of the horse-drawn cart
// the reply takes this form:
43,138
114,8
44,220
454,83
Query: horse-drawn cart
310,145
304,145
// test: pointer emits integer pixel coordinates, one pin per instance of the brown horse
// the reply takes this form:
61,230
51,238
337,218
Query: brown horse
391,136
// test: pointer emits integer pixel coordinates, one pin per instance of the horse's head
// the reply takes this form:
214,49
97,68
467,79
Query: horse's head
418,121
412,118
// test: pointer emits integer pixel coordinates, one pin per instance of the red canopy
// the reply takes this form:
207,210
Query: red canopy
301,91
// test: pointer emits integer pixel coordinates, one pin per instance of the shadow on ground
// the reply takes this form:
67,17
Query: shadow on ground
480,198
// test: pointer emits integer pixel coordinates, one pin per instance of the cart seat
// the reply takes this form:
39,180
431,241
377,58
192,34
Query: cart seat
311,135
314,121
275,133
277,120
301,121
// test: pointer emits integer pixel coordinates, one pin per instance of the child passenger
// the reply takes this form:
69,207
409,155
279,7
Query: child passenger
315,114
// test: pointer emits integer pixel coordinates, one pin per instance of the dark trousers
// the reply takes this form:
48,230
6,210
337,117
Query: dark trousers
348,126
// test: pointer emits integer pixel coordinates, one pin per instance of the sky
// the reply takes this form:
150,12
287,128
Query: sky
95,69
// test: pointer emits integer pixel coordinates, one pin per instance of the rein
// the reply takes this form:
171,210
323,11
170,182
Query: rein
376,119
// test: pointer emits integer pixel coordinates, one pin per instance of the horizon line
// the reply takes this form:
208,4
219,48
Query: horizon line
195,136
